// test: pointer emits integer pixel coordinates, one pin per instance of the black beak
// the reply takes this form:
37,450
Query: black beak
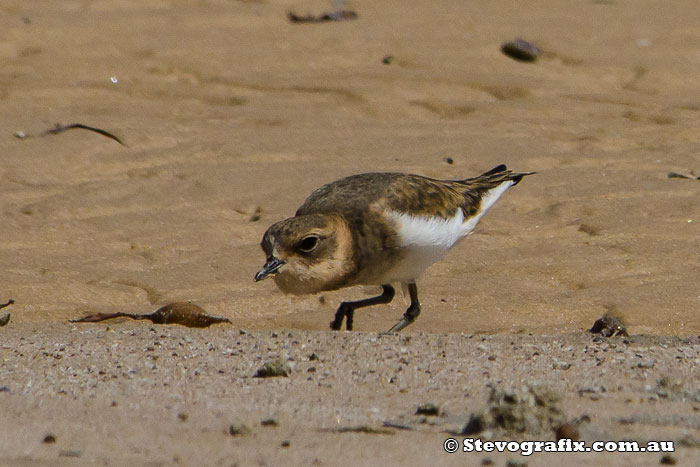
272,266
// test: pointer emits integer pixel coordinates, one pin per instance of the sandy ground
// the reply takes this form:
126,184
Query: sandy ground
232,115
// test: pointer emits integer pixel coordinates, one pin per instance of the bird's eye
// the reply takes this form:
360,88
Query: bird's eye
308,243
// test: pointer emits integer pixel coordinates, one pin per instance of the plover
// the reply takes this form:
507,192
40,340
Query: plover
376,229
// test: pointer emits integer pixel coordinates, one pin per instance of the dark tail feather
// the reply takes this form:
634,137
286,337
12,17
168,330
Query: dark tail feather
495,170
498,174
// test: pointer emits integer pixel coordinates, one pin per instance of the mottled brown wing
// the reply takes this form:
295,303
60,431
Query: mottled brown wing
422,196
347,195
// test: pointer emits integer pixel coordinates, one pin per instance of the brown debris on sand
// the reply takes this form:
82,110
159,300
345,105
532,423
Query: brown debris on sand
340,15
183,313
608,326
60,128
278,367
4,319
532,409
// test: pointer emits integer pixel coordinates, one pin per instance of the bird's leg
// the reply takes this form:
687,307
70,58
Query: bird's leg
411,313
347,309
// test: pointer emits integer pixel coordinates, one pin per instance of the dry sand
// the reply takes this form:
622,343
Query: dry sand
232,115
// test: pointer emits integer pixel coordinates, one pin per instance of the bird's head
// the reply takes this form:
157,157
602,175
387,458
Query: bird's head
307,254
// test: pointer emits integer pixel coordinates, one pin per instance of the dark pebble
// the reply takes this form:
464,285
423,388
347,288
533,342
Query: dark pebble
49,439
238,429
521,50
388,60
667,460
428,409
567,431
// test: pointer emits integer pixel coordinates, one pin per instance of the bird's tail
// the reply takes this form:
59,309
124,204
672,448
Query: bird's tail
496,176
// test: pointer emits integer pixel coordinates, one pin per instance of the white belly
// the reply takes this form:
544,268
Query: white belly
424,240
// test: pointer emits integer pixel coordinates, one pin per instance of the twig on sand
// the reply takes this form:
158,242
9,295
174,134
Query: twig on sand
183,313
61,128
338,15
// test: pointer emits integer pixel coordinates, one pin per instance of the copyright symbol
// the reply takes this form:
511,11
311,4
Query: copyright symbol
451,445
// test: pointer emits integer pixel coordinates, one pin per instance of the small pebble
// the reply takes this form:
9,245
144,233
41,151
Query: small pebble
4,319
238,429
285,443
561,365
49,439
646,364
274,368
667,460
269,422
20,134
428,409
566,431
449,160
515,463
388,59
521,50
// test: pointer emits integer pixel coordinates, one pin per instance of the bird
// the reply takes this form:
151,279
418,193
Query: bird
376,229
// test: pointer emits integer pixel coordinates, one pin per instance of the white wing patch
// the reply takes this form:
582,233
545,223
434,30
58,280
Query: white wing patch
426,239
489,198
430,231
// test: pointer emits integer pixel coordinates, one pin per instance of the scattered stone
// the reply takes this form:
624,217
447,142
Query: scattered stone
252,212
531,409
4,319
182,416
515,463
521,50
49,439
20,134
429,409
278,367
397,425
567,431
646,364
239,429
607,326
183,313
486,461
449,160
589,229
313,356
285,443
362,429
388,59
559,365
667,459
338,15
269,422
